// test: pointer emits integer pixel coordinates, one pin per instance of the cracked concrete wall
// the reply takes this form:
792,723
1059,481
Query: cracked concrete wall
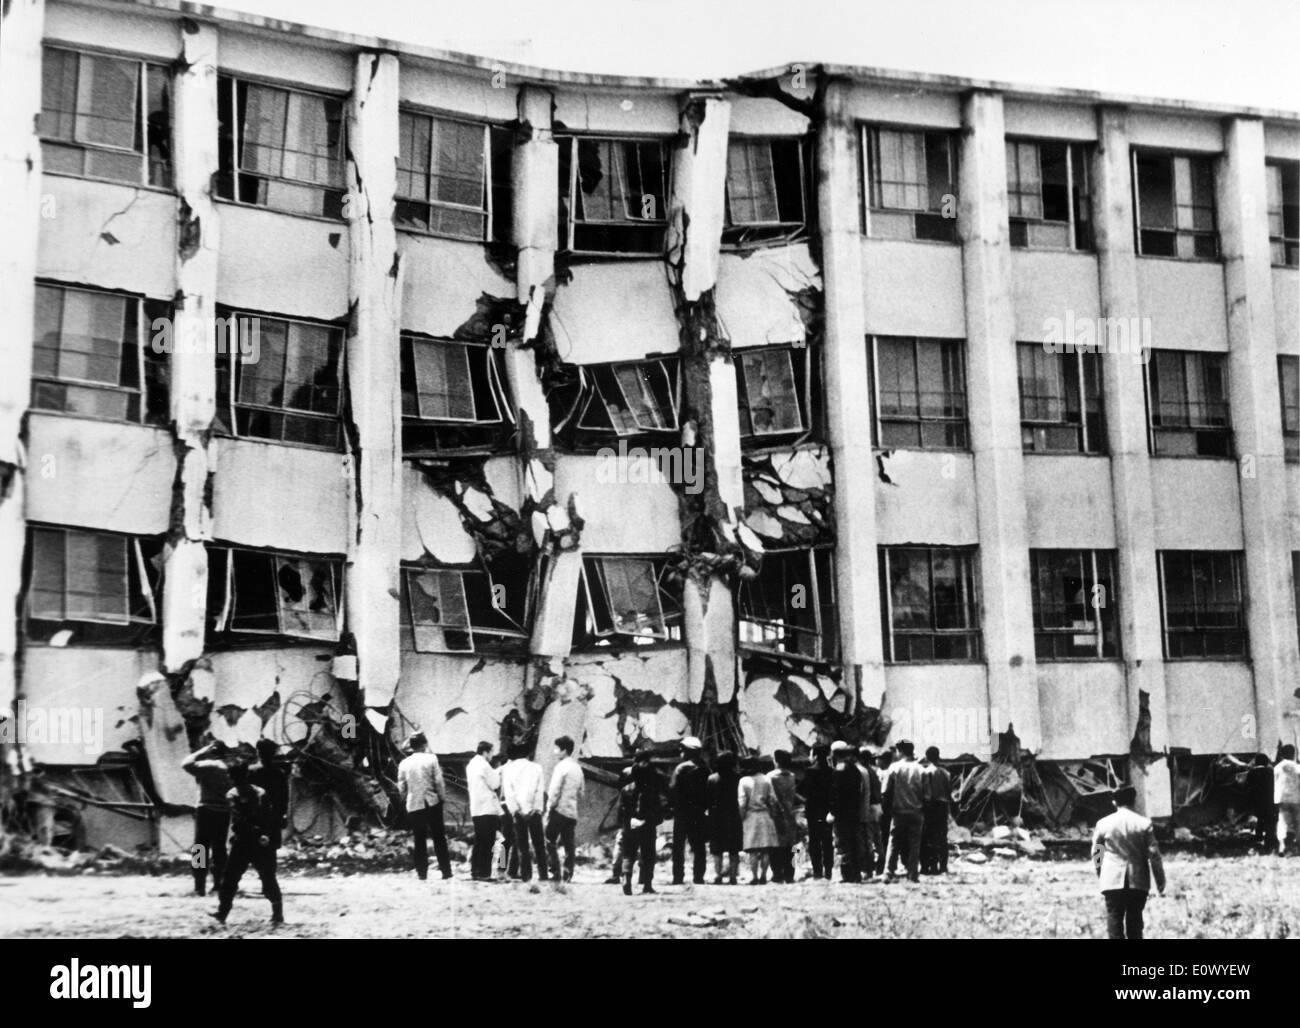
193,372
372,420
20,213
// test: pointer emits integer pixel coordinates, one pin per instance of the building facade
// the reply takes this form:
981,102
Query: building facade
371,387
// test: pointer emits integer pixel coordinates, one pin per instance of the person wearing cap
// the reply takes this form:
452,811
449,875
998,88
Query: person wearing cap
1126,857
688,792
845,815
420,781
640,807
906,802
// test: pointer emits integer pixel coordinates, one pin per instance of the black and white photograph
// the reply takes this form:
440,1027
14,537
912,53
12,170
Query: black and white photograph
651,470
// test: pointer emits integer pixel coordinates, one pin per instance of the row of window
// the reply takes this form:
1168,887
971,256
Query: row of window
95,355
99,587
110,117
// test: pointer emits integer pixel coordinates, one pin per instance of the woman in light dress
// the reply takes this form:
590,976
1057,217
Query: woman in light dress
756,800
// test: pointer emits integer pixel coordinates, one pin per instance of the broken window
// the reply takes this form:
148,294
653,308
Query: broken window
1175,205
453,177
106,117
929,604
278,379
1074,604
1284,212
92,355
280,148
1204,613
613,195
97,587
620,400
1060,400
454,396
465,610
1188,392
766,191
912,188
1288,379
255,592
627,600
789,607
920,392
774,390
1295,586
1047,195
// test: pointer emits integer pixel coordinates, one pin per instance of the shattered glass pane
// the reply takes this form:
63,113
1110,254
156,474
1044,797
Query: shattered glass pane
305,597
632,593
438,611
751,183
442,375
771,392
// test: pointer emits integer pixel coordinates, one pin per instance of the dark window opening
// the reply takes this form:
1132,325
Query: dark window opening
789,607
280,148
1074,604
1284,212
920,391
777,390
1047,195
912,186
613,195
454,397
1204,611
91,588
1189,404
622,400
1288,380
1060,401
766,191
929,604
466,610
627,601
106,117
257,593
1175,206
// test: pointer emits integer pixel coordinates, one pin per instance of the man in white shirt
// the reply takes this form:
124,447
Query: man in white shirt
419,779
484,810
562,808
525,797
1127,859
1286,794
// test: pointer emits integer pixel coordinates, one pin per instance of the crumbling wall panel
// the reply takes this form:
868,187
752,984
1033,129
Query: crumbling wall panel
443,282
96,687
632,516
594,313
457,699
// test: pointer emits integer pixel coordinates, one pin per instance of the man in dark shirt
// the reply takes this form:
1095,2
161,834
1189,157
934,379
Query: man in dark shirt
816,791
275,783
906,795
845,814
252,823
640,810
211,815
934,815
688,789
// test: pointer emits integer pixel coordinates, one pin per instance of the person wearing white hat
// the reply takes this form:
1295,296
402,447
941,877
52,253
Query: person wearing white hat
688,791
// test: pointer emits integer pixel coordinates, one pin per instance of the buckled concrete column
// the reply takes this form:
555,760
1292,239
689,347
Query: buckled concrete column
696,217
193,368
373,427
848,403
1257,430
20,213
1124,400
994,403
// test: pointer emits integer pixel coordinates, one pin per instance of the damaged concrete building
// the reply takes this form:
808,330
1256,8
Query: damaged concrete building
773,421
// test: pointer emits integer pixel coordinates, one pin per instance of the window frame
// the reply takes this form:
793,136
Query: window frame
1101,625
148,579
592,392
1172,157
879,419
571,196
799,359
1085,367
146,178
229,179
1290,410
478,638
746,234
151,393
589,635
928,224
826,642
1203,633
218,623
1288,242
1203,433
972,604
229,406
1078,227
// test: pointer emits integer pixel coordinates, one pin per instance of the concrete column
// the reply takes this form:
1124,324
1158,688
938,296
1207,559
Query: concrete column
848,403
193,369
696,216
995,420
1257,428
20,214
1124,401
373,347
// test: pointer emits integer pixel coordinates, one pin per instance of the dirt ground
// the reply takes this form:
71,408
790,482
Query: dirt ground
1209,897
